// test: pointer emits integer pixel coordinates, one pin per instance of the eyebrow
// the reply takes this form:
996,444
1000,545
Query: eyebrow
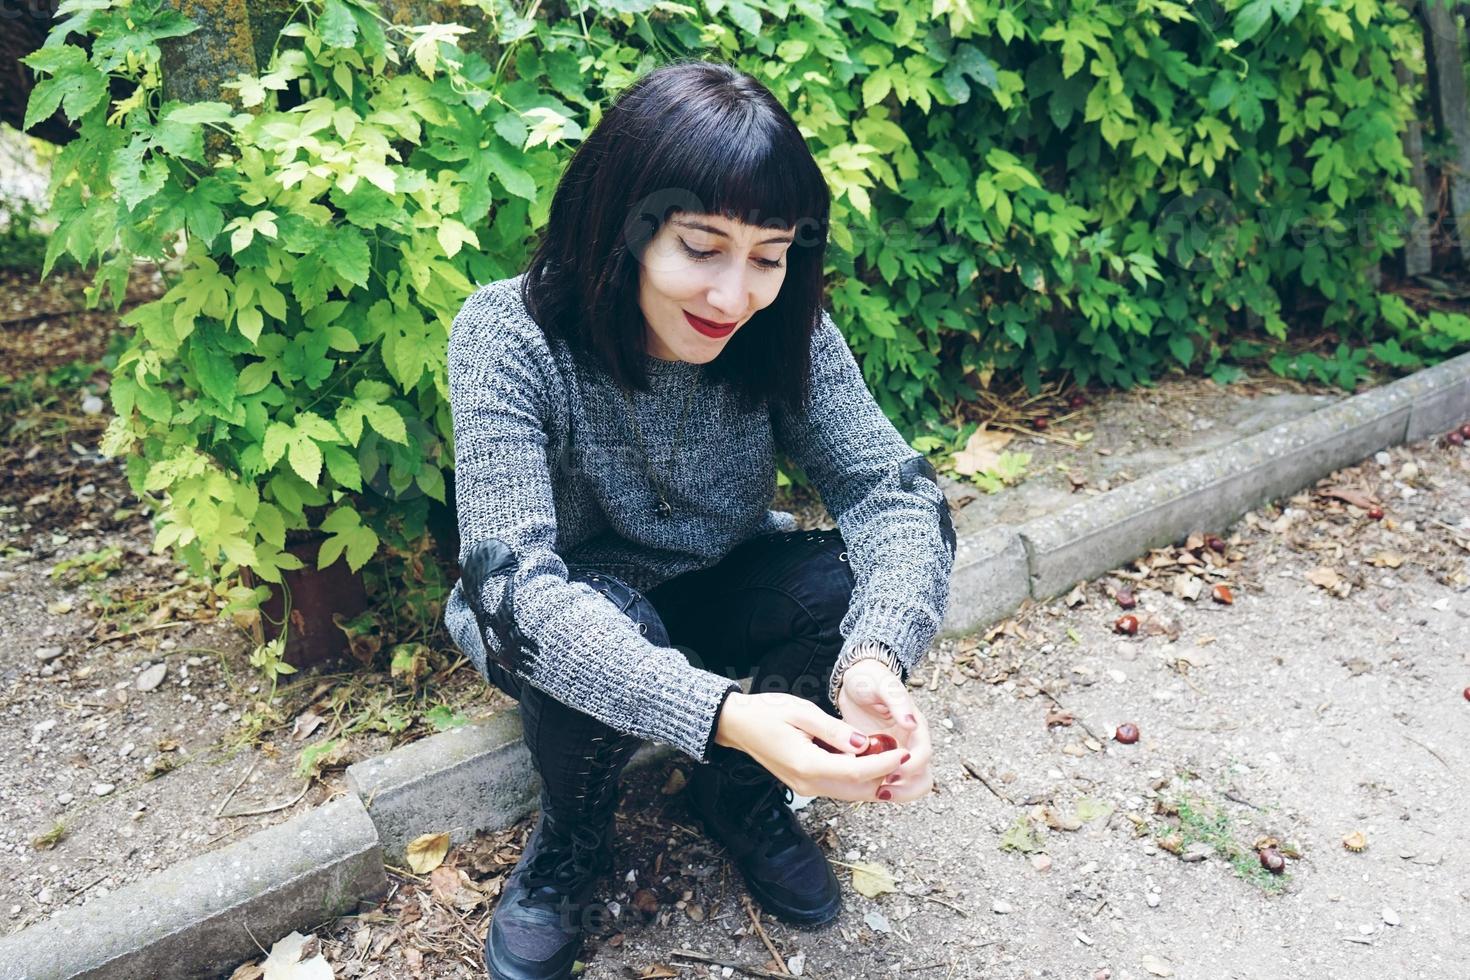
711,229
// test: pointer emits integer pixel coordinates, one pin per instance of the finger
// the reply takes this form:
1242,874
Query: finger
908,790
895,701
822,727
920,742
856,774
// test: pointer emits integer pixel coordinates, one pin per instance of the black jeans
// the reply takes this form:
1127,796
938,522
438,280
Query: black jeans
769,610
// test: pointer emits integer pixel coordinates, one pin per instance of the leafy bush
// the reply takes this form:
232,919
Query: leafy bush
1111,189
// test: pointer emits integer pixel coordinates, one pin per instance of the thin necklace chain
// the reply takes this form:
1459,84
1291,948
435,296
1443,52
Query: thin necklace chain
663,509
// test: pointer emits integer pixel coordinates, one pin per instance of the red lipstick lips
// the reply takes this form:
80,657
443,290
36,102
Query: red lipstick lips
708,327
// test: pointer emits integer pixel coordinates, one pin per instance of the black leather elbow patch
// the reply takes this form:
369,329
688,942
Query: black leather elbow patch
916,467
489,559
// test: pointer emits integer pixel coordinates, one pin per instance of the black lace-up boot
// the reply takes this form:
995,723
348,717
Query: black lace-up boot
545,906
745,808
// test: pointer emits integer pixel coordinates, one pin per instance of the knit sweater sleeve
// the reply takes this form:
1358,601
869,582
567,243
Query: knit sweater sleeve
581,649
884,497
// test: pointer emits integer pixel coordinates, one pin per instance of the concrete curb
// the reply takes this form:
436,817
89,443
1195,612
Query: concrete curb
1211,491
202,917
205,915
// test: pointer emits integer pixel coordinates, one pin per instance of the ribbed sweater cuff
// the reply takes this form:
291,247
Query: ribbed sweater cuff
907,630
684,710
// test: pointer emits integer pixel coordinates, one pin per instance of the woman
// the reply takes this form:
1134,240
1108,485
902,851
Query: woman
616,411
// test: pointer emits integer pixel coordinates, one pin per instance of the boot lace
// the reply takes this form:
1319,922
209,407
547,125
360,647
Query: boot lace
562,868
766,811
569,859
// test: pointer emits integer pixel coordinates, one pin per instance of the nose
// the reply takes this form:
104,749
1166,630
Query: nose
728,293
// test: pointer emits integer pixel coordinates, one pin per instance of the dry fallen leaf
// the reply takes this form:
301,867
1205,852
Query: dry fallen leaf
1089,809
1324,577
657,971
248,971
675,783
1356,841
1059,717
1350,496
1057,820
285,961
1157,965
427,852
1188,587
646,902
1388,559
981,452
306,723
453,888
871,879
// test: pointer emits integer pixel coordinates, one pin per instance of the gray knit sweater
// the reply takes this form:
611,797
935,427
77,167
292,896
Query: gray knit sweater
546,461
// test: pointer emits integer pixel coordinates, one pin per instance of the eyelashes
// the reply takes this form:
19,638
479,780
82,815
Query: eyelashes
700,256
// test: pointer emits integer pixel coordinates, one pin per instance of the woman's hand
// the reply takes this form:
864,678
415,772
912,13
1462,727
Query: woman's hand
778,731
874,700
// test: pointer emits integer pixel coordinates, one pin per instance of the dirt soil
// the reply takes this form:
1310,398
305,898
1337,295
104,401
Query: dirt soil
1106,441
1322,712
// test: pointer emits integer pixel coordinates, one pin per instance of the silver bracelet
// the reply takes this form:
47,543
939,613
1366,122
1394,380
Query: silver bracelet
867,649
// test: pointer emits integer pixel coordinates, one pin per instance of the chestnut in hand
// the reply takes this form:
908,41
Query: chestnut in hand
881,742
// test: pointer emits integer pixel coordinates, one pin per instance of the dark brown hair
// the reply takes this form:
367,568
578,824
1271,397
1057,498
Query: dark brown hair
687,138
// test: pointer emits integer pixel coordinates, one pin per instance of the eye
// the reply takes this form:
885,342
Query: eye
692,253
700,256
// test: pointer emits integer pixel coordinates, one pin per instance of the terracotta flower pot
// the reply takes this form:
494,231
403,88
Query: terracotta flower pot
315,596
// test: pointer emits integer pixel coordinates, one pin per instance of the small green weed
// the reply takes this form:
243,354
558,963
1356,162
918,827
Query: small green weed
1194,819
92,566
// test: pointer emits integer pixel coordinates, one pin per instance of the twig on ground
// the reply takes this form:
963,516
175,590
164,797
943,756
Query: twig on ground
974,770
948,905
760,931
231,795
755,971
1062,707
77,891
270,809
137,632
1430,751
1236,798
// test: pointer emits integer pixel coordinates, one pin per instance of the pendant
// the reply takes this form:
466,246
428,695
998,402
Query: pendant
663,510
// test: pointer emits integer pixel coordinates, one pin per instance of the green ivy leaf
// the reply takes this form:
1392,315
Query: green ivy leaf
509,173
347,533
1251,18
305,458
343,467
336,25
216,373
346,253
76,88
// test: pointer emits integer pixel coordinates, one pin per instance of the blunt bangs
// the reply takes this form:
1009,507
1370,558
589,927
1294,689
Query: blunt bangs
690,138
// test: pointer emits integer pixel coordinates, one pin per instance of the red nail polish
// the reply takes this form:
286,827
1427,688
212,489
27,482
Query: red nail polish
858,740
906,757
883,794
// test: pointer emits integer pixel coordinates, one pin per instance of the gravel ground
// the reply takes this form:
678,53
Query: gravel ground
1303,712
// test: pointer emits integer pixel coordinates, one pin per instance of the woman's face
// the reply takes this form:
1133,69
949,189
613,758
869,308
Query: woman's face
703,276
